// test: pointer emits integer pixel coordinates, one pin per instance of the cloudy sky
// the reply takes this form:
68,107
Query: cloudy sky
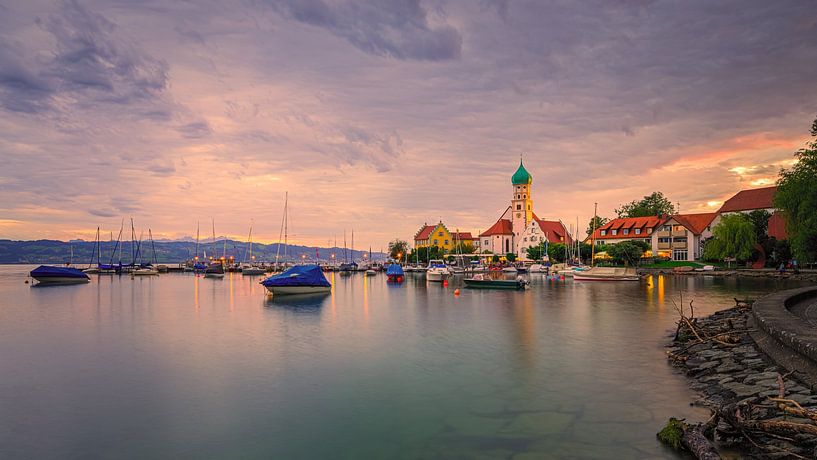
382,115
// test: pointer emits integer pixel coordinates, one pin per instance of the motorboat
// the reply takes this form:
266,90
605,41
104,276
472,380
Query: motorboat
145,271
510,269
537,268
437,271
480,281
251,270
215,270
45,274
300,279
394,273
606,274
371,272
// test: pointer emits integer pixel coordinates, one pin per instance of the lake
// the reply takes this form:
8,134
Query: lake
179,366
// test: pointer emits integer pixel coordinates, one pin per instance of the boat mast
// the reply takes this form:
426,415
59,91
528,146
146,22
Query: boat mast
118,246
133,242
214,234
593,236
345,252
196,258
286,225
249,240
152,246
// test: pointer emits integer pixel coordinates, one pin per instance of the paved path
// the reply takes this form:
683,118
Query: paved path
806,309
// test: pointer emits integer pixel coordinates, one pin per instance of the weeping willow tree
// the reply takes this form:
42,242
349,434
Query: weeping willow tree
797,197
734,236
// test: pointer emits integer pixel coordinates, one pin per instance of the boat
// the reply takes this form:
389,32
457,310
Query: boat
537,268
145,271
484,282
394,273
251,270
45,274
510,269
606,274
215,270
371,272
300,279
437,271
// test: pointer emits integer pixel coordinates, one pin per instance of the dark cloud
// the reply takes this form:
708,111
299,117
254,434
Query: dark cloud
195,130
396,28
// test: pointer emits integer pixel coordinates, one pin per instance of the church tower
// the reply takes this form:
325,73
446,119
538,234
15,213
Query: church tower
521,204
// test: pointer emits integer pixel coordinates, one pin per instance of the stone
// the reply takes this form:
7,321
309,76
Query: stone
761,376
707,365
727,367
741,390
726,380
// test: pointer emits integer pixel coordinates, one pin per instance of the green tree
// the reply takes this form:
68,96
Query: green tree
510,257
628,252
600,221
734,236
797,197
463,248
398,249
535,252
495,258
651,205
760,221
557,252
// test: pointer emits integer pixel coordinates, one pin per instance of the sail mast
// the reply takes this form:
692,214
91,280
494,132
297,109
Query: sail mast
152,246
593,236
286,224
197,243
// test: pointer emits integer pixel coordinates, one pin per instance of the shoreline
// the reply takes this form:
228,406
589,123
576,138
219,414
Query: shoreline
756,403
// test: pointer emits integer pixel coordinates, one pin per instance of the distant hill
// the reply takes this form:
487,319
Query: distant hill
56,252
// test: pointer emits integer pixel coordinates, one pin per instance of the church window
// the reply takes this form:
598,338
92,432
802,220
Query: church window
518,207
446,242
524,196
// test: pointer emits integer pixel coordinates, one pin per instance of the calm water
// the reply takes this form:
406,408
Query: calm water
178,366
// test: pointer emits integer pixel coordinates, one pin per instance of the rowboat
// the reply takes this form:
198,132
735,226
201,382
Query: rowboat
606,274
483,282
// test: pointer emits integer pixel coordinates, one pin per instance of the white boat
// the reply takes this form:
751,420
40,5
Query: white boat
606,274
91,271
250,270
509,270
537,268
145,272
437,271
370,272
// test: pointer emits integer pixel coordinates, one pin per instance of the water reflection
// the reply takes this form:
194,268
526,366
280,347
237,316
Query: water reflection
299,303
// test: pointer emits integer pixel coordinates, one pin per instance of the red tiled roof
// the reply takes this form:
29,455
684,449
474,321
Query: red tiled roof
424,233
501,227
696,223
554,230
631,223
777,226
747,200
461,236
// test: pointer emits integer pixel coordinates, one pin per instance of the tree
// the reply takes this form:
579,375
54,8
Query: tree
600,221
557,252
510,257
535,252
734,236
760,221
651,205
495,258
463,248
797,197
398,249
629,252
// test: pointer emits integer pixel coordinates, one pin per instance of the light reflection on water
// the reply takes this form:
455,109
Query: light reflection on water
183,366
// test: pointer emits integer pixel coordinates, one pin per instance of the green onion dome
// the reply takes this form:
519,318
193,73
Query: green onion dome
521,176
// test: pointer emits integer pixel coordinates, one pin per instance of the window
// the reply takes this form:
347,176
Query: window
519,207
525,239
614,232
679,255
446,242
677,228
649,230
436,242
533,238
528,207
561,238
626,231
440,234
525,197
666,228
603,232
638,231
517,188
680,239
664,240
487,242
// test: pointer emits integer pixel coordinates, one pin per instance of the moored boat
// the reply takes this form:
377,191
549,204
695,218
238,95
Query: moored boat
301,279
606,274
45,274
215,270
251,270
394,273
145,271
437,271
371,272
484,282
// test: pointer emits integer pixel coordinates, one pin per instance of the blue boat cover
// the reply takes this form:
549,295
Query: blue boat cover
299,275
394,270
45,271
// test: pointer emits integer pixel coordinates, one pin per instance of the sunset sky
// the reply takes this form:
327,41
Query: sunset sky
379,116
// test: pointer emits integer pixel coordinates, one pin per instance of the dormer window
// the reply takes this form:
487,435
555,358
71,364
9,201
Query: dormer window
626,231
638,231
614,232
603,232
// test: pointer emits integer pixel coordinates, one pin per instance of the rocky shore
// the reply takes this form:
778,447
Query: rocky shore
774,274
757,406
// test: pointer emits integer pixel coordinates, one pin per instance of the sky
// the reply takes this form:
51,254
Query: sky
379,116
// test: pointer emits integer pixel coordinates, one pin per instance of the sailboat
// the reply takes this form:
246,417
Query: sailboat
216,268
250,269
147,269
346,268
300,279
91,270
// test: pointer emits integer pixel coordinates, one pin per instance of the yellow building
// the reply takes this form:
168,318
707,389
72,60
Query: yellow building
434,235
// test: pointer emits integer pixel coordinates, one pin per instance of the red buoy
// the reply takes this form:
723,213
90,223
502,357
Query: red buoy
456,292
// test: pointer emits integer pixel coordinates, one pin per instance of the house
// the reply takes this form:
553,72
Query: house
627,229
746,201
439,235
498,239
682,236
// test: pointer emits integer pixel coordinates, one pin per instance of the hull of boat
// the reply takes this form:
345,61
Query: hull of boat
290,290
145,272
493,284
395,278
214,275
60,280
91,271
253,271
436,276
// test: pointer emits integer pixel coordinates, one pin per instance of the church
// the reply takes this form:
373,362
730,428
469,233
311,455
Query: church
518,228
